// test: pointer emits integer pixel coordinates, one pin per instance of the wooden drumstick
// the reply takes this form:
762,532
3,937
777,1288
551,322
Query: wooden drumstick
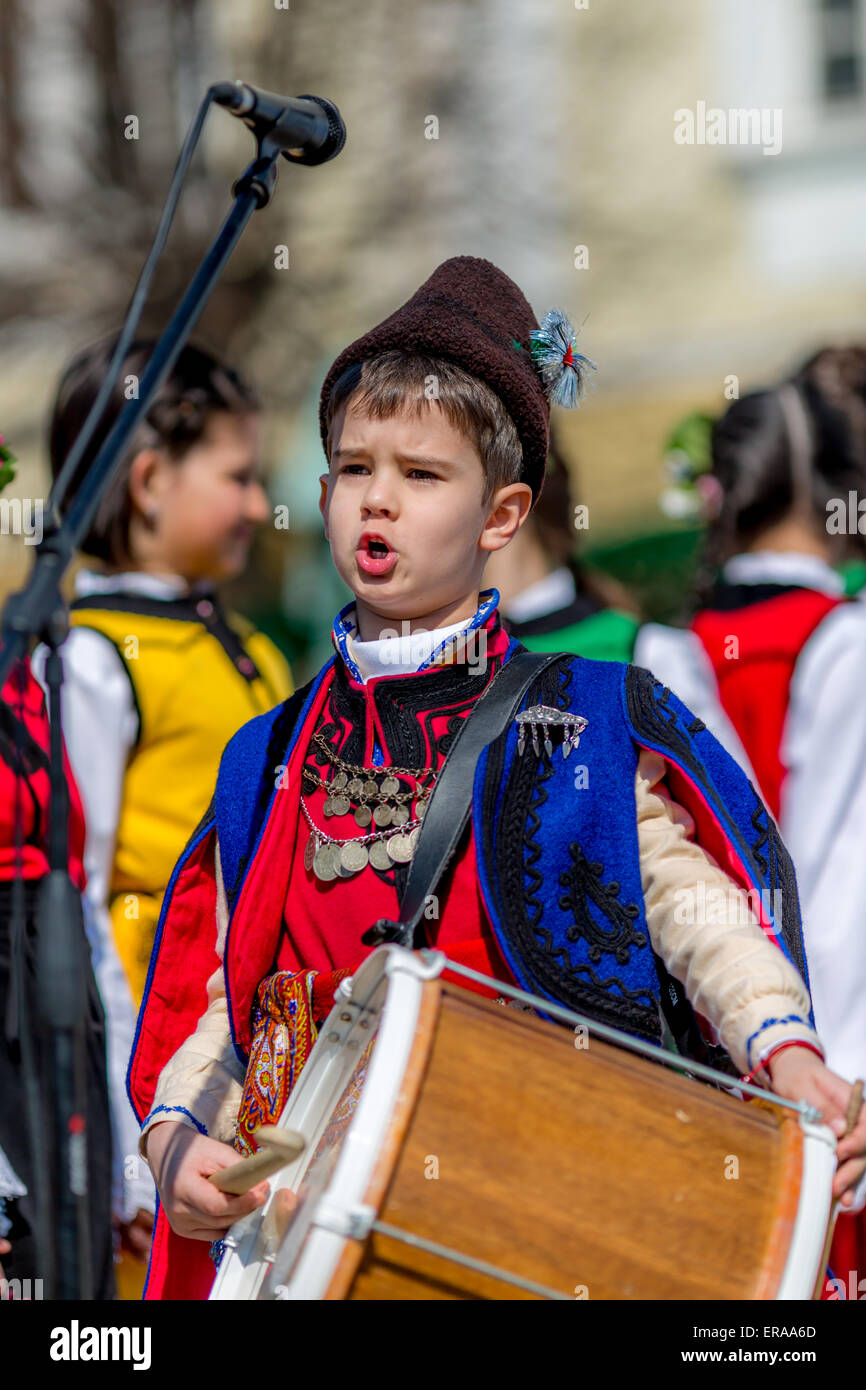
278,1147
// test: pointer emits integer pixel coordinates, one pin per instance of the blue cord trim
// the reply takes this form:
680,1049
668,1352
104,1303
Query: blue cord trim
181,1109
150,1256
193,844
344,628
790,1018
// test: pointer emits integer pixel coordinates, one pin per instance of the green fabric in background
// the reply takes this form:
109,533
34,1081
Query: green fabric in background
606,636
854,575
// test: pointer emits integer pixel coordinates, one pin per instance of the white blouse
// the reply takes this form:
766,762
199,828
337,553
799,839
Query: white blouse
823,803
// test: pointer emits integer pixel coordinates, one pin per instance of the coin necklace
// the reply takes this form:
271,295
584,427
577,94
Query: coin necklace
380,801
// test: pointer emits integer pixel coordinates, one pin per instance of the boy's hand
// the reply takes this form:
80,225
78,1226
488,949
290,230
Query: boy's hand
181,1162
800,1074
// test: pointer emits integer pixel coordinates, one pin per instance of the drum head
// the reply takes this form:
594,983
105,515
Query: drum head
344,1105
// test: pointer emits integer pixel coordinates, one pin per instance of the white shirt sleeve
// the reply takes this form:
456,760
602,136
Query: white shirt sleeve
823,824
100,727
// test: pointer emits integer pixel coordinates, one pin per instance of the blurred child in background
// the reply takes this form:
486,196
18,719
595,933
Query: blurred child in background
780,653
158,675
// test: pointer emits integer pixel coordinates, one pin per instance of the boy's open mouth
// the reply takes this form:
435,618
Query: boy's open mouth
375,556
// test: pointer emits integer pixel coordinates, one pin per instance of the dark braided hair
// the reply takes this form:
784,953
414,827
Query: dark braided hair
839,374
753,461
197,387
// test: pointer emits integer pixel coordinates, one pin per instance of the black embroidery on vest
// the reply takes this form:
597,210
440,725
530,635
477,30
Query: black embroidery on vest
341,722
603,998
407,709
444,741
777,870
648,705
585,884
760,822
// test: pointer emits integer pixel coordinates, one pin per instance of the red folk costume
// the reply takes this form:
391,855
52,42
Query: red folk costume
755,689
284,919
312,937
253,950
24,838
23,703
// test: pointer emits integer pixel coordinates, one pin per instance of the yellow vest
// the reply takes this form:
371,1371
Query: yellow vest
197,675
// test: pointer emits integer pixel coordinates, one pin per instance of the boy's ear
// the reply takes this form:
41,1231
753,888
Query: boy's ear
324,479
510,506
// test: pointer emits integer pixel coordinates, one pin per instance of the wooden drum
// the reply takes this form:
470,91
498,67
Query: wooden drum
456,1148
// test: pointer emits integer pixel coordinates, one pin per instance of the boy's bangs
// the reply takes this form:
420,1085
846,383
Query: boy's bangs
396,381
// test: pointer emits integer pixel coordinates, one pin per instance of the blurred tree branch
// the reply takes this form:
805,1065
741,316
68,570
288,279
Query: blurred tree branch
16,192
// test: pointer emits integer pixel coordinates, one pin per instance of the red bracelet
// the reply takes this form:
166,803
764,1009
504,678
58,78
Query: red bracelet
795,1042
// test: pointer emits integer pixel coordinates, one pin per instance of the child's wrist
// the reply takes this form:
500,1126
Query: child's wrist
148,1135
765,1065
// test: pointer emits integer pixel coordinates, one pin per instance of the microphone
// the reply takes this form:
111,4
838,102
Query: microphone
309,129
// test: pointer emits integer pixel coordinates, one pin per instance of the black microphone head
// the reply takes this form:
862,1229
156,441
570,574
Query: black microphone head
336,137
231,94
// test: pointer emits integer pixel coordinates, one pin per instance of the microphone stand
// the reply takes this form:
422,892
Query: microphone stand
39,611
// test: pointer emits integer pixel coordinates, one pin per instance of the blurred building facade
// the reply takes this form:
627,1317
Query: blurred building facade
537,133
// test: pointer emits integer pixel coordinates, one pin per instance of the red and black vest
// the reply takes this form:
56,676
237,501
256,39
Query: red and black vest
24,784
753,634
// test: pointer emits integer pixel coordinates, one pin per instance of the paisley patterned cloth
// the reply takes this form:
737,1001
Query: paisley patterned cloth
289,1009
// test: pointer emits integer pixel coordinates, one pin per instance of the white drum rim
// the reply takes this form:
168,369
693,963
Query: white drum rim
343,1216
806,1249
242,1269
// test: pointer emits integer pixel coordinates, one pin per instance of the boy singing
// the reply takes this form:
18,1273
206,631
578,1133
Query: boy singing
584,878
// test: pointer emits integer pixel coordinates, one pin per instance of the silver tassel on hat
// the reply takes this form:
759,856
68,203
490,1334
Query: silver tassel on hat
545,717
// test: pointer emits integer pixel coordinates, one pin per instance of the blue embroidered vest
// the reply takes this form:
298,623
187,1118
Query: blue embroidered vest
556,838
